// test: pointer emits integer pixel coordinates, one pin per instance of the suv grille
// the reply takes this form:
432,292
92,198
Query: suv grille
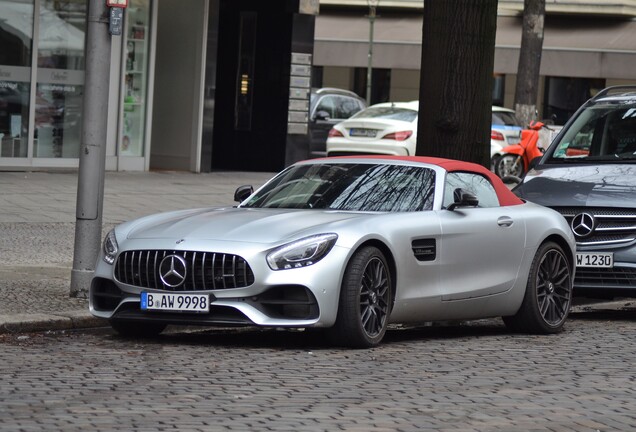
618,277
613,226
203,270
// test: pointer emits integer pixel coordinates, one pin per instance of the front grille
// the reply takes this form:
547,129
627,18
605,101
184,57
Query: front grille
203,270
613,226
617,277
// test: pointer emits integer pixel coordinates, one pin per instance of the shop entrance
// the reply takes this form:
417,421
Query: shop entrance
252,85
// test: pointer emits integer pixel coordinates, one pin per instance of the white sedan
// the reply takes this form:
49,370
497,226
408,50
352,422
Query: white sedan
387,128
391,129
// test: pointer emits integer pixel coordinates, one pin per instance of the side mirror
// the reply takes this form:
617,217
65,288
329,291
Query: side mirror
243,192
322,115
463,199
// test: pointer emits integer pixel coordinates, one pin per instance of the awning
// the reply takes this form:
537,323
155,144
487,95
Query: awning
573,46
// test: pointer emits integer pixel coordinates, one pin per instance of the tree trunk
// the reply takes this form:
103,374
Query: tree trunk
458,52
529,60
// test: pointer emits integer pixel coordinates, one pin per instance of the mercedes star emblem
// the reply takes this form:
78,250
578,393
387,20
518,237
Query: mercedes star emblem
172,271
583,224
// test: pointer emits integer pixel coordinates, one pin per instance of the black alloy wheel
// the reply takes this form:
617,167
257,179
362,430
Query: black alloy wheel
365,301
548,296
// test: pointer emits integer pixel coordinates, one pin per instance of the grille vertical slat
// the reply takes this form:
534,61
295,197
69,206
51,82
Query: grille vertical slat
204,270
126,269
194,266
244,272
141,283
214,271
223,271
132,268
234,269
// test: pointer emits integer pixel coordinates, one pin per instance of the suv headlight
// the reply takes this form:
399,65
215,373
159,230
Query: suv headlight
301,253
110,247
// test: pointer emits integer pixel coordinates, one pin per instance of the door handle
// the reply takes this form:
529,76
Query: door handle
505,221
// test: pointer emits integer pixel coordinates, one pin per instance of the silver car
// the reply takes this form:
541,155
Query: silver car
347,245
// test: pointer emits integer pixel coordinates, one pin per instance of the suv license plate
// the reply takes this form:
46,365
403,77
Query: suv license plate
599,260
175,302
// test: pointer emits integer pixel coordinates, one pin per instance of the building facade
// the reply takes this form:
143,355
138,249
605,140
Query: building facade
224,84
588,45
177,70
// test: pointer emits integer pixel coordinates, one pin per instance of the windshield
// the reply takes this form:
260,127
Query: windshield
390,113
349,186
603,132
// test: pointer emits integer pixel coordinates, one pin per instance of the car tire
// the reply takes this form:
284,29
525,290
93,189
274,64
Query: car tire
548,296
493,162
509,165
136,329
365,301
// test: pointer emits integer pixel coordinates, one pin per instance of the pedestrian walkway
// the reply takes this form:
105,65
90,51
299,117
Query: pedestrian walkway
37,230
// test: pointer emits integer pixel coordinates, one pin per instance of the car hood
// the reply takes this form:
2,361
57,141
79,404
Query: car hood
609,185
235,224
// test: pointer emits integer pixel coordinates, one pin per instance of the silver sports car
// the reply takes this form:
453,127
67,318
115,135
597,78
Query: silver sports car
348,245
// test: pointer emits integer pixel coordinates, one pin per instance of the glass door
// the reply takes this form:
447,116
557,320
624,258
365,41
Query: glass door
60,79
16,42
135,62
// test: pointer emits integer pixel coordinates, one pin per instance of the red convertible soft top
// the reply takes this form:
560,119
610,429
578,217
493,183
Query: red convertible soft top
506,197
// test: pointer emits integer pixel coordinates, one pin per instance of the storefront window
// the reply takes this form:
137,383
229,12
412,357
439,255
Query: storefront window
60,83
136,71
16,41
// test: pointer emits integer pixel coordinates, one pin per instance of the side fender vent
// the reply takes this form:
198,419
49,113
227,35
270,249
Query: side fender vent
424,249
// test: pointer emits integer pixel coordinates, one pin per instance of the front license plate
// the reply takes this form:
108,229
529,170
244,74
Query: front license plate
367,133
175,302
602,260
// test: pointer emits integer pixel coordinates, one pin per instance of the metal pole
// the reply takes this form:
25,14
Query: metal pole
90,186
370,57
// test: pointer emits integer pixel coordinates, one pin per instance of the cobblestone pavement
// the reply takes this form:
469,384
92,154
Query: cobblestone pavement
453,378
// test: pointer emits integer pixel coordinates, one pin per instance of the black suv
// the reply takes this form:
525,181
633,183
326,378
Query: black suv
329,106
588,174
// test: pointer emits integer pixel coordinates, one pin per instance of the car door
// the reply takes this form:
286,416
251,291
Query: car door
481,247
322,120
336,108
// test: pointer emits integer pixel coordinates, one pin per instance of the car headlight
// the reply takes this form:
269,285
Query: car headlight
110,247
301,253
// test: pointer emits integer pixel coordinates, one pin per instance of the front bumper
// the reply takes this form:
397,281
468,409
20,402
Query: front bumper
304,297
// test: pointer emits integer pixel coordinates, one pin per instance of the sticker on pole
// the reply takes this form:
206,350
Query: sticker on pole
116,20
